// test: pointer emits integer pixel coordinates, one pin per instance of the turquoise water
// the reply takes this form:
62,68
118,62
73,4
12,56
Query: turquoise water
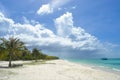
113,64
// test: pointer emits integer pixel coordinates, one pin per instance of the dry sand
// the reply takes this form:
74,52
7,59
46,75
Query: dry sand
55,70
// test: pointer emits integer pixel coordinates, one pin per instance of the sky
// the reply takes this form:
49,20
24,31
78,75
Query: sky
64,28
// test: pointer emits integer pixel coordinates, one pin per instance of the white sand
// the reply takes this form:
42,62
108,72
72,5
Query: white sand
56,70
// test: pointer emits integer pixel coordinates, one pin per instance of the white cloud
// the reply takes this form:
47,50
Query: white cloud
69,40
64,24
50,7
80,39
45,9
32,22
25,20
74,7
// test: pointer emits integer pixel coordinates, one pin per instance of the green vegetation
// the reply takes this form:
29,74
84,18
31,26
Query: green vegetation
14,49
11,46
36,54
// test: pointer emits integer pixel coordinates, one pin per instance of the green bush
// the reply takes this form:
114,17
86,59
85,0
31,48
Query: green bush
27,55
51,57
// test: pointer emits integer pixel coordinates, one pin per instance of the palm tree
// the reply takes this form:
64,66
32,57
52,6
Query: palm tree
35,53
12,46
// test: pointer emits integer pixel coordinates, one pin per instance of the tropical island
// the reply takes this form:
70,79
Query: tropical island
59,40
14,49
18,62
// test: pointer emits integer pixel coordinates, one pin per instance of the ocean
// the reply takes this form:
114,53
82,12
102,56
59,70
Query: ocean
112,63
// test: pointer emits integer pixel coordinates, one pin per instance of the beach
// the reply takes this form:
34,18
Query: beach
55,70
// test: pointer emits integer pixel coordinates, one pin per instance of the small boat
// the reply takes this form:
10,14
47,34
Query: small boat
104,58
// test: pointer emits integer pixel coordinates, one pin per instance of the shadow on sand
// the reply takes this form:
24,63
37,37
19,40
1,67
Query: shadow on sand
13,66
4,67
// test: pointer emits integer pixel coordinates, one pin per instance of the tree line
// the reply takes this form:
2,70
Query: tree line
15,49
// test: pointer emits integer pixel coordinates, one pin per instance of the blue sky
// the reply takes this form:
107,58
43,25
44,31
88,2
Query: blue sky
74,24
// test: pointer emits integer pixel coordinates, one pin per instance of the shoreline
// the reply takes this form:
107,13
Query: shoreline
98,66
56,70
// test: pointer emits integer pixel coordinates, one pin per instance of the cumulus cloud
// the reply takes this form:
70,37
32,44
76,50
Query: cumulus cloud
64,24
69,41
50,7
80,39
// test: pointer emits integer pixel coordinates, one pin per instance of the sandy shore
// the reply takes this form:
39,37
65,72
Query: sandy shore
55,70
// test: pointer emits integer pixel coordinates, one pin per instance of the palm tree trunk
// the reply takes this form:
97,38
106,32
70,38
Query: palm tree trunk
10,60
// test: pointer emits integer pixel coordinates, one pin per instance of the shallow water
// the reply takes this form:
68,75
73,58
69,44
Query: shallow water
113,64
